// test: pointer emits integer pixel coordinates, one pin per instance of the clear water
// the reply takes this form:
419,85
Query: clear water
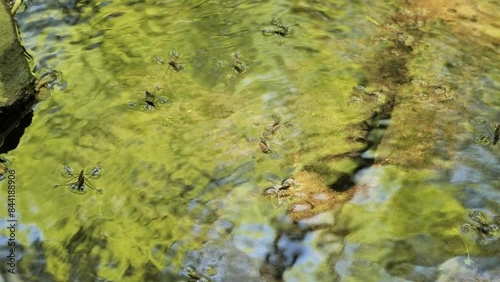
183,181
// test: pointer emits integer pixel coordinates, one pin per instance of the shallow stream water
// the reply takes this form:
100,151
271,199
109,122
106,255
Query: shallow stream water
382,114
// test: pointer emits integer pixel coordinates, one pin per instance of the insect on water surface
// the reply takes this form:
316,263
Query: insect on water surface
150,101
495,135
237,65
172,62
281,190
280,30
264,146
78,184
484,229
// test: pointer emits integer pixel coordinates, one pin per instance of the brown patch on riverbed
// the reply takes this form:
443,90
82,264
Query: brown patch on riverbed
471,20
311,196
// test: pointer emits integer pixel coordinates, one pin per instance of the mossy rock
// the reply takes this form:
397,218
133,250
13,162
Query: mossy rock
16,80
15,74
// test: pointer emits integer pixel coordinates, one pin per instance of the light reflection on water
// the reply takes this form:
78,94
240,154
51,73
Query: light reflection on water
182,183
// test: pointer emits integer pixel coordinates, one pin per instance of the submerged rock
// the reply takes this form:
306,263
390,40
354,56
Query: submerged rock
16,80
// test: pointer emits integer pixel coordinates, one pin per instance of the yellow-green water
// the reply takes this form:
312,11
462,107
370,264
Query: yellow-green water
183,184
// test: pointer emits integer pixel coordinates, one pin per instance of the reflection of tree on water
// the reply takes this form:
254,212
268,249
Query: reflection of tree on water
286,250
83,252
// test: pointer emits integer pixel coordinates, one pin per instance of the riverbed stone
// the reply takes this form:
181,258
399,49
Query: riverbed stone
16,79
15,74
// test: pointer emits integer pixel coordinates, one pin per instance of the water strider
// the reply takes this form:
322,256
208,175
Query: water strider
237,65
264,146
279,29
82,180
268,133
495,135
270,130
279,189
275,127
484,229
172,62
150,100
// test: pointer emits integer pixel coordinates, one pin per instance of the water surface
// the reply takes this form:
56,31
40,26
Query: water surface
183,182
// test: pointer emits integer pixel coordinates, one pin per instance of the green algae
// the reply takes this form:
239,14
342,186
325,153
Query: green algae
169,175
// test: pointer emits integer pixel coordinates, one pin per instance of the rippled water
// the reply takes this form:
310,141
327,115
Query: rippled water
183,183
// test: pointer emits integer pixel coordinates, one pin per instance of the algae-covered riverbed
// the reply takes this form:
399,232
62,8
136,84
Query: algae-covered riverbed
259,141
